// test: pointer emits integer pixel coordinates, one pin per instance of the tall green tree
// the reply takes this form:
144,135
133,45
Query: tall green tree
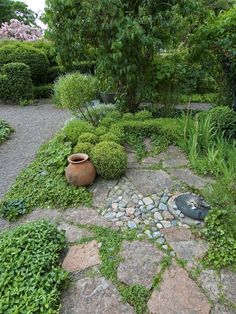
10,9
125,33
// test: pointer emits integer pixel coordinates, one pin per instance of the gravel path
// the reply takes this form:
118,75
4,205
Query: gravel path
33,126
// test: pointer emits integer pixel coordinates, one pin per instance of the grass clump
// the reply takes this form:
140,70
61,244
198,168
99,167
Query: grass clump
30,276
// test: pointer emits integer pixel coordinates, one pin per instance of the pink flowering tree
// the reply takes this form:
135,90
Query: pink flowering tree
19,31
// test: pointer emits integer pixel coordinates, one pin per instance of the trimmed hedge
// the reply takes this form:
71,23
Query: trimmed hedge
74,128
15,83
88,137
34,58
44,91
30,275
110,160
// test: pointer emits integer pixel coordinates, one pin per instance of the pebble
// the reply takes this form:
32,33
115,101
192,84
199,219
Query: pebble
120,214
167,215
158,216
146,222
150,207
162,206
178,212
140,202
131,224
181,215
110,215
114,205
154,210
164,199
148,201
160,241
148,233
166,224
159,226
156,234
119,224
130,211
165,247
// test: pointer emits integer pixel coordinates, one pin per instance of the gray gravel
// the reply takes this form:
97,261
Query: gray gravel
33,126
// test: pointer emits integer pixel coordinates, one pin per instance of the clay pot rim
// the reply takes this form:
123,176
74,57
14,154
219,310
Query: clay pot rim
81,156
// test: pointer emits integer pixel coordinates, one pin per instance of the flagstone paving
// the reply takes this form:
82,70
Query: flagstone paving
140,202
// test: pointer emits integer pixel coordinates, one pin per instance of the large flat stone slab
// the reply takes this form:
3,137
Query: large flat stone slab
141,262
80,257
228,281
176,234
73,233
52,215
85,216
222,309
210,282
93,295
178,294
189,178
185,246
100,190
151,182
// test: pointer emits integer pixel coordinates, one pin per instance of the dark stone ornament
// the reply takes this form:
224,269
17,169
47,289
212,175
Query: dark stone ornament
192,206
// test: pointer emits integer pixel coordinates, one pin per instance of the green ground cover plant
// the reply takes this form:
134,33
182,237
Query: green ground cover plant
43,183
30,275
5,131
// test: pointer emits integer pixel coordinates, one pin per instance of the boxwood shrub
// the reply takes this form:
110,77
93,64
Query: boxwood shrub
74,128
88,137
15,83
30,275
5,131
110,160
85,148
34,58
110,137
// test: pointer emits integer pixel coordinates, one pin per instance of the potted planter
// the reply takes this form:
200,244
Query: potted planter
107,90
80,171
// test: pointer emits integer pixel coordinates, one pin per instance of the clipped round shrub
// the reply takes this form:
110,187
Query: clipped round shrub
110,160
85,148
110,137
16,84
74,128
101,130
88,137
34,58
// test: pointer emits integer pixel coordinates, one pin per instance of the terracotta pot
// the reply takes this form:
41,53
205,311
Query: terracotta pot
80,171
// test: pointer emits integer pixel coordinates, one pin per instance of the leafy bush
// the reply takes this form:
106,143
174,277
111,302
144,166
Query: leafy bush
43,184
15,83
44,91
109,159
85,148
5,131
76,91
30,276
88,137
110,137
140,115
34,58
75,128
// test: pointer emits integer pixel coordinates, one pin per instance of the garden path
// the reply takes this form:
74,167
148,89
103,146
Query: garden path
161,262
33,126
